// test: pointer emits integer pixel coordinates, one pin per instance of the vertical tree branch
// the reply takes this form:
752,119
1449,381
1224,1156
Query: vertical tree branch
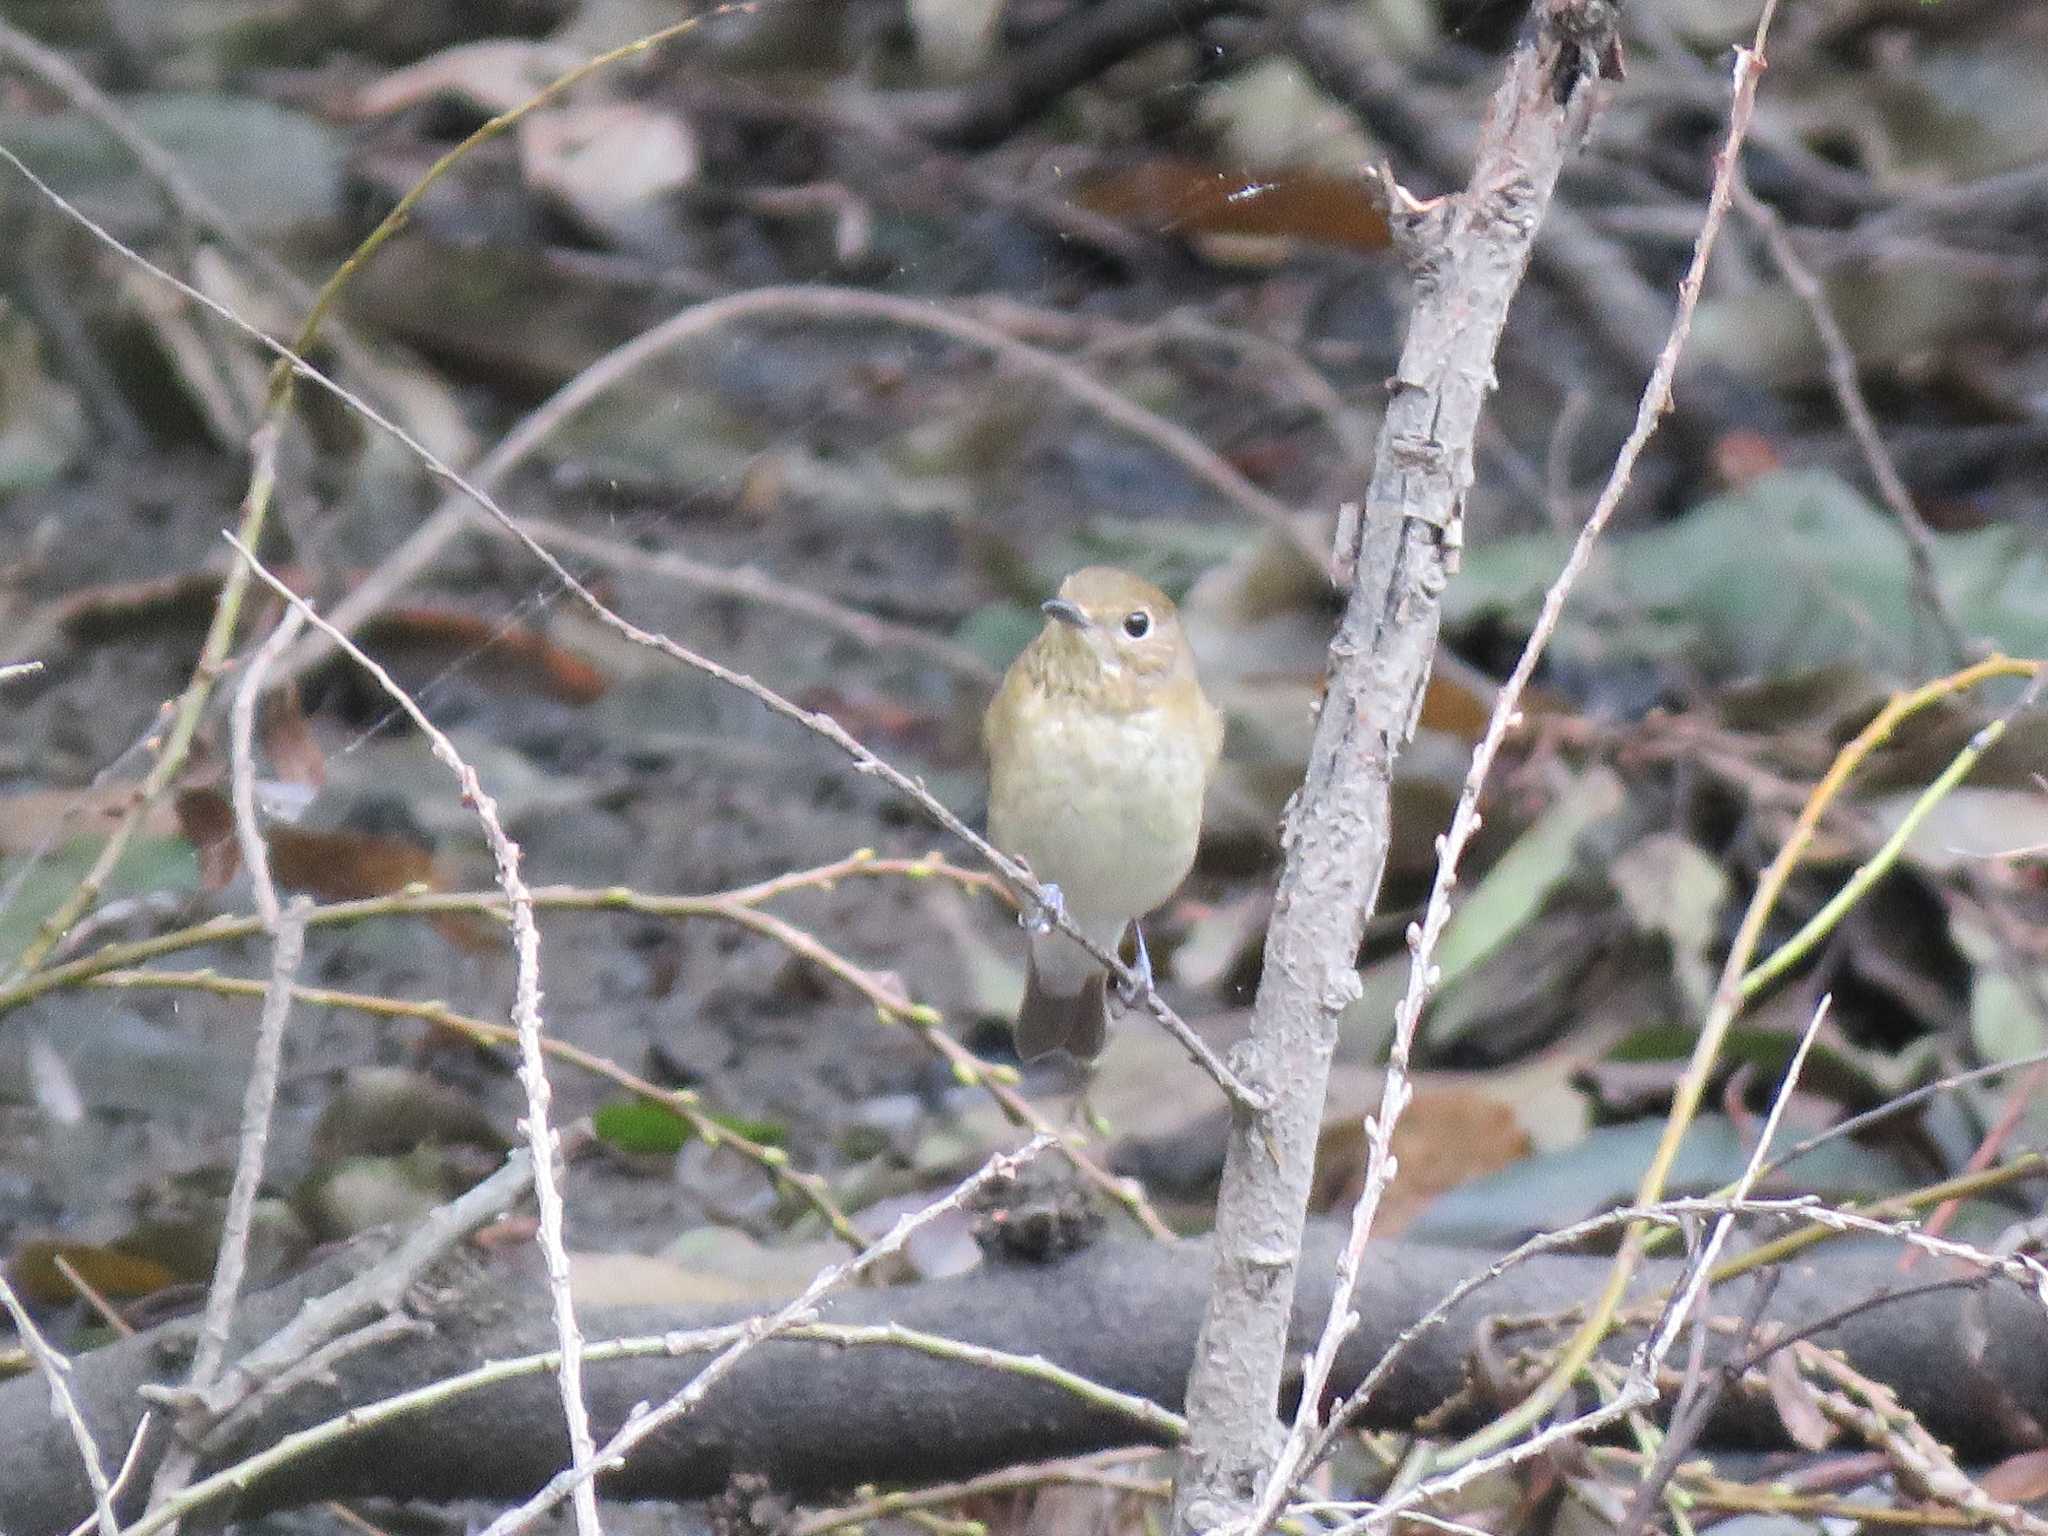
1469,253
542,1142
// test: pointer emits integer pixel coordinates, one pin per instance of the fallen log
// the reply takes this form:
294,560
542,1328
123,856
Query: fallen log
813,1418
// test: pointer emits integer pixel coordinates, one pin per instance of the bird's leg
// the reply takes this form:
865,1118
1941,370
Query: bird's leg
1141,982
1041,915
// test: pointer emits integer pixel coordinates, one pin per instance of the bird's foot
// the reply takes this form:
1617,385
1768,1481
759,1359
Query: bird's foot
1140,980
1042,914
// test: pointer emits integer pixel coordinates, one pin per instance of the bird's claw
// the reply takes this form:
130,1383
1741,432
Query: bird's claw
1040,915
1140,981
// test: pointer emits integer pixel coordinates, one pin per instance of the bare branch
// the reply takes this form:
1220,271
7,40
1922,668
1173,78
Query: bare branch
542,1144
1469,253
1848,391
56,1371
827,1280
288,948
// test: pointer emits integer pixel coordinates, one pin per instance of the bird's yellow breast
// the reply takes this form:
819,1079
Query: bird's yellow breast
1104,802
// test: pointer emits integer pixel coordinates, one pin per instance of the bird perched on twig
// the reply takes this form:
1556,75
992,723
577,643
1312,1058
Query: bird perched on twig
1100,745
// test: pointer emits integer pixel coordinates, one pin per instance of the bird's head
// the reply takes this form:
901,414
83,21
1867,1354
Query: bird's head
1109,626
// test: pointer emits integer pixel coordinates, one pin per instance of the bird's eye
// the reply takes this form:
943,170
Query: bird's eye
1138,624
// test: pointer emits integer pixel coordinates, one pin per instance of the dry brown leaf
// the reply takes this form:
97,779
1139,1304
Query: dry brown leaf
339,865
511,655
1743,457
109,1271
207,822
139,610
1451,1133
1187,197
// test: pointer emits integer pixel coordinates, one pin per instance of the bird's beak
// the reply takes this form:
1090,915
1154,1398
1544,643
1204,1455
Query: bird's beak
1065,610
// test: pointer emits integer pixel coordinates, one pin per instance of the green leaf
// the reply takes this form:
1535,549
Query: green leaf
1795,571
2004,1023
641,1127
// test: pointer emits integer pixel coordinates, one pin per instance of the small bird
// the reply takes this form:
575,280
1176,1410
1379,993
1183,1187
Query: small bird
1100,746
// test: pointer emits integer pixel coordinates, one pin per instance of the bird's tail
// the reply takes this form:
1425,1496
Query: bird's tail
1076,1022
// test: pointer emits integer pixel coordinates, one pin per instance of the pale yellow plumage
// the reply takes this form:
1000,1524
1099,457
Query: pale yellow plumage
1100,746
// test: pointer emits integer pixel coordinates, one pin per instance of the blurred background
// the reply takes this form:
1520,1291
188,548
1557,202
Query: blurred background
861,502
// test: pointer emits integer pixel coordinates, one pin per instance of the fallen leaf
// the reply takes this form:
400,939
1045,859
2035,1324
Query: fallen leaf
139,610
1187,197
513,655
1450,1134
114,1274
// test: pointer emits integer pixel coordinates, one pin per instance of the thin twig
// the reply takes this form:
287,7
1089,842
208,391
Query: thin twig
288,949
380,1288
1856,1124
1157,1421
1867,874
754,586
318,1366
1701,1266
123,1474
1848,391
542,1143
1781,1339
2021,1096
242,762
1688,1415
640,1426
57,1377
2027,1165
1920,1462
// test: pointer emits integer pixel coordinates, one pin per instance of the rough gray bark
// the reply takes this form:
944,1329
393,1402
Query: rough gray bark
1469,253
814,1420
